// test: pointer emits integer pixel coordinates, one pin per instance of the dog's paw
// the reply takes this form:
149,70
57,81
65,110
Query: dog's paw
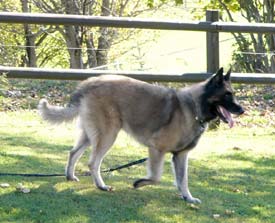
106,188
72,178
142,182
192,200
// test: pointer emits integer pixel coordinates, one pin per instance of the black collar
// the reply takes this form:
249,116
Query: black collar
198,117
193,105
202,123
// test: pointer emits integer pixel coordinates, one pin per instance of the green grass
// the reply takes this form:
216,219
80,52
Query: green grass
231,171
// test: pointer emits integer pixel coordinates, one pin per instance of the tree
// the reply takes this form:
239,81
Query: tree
96,41
10,37
69,46
254,52
20,44
30,37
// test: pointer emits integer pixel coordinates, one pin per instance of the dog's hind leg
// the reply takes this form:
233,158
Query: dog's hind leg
154,169
102,143
180,163
80,145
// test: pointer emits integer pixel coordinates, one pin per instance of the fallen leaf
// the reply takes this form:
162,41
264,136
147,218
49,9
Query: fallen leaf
236,190
229,212
22,188
4,185
25,190
216,216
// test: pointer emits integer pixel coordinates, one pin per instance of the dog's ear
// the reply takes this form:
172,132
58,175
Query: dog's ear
217,78
227,76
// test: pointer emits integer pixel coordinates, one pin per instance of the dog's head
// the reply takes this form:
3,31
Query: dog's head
218,98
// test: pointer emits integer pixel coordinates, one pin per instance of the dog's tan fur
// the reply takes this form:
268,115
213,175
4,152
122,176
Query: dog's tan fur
163,119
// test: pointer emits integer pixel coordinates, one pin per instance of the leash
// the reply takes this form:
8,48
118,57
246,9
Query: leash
125,165
85,174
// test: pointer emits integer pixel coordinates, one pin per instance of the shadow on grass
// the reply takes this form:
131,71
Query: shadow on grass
238,194
36,157
40,157
223,191
45,204
246,189
31,142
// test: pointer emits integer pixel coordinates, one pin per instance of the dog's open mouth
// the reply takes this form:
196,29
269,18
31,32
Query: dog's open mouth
225,116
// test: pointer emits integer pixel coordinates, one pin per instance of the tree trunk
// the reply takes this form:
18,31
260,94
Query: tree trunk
77,37
269,7
74,47
92,62
72,36
104,40
31,59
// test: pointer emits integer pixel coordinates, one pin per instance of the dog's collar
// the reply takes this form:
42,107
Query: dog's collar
193,106
201,122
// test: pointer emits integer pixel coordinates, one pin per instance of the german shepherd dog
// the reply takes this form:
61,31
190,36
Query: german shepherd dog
163,119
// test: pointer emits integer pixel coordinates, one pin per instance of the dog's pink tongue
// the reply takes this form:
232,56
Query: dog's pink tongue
226,114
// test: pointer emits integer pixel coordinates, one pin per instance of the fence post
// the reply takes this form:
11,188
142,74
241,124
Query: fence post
212,43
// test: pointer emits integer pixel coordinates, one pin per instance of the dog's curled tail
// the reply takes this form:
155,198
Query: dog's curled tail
57,114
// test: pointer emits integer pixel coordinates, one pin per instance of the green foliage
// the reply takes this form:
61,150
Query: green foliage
152,3
10,5
232,5
11,37
254,51
3,82
179,2
52,52
54,47
11,40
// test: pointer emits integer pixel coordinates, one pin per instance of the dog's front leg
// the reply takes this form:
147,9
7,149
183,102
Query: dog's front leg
180,164
154,168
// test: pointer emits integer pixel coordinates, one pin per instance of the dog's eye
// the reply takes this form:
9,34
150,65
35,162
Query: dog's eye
228,95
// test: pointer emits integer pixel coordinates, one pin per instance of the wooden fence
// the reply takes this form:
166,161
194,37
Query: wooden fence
211,26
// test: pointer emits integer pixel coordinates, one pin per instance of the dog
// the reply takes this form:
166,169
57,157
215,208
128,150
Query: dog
163,119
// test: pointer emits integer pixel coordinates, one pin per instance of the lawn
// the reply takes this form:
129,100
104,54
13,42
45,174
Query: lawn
231,171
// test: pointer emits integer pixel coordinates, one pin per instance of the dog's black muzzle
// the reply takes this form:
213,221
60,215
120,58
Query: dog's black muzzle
236,109
233,107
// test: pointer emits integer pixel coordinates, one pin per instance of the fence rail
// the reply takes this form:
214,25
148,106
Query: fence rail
126,22
81,74
211,26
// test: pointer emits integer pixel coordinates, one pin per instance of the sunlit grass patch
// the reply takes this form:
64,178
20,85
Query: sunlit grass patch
231,171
